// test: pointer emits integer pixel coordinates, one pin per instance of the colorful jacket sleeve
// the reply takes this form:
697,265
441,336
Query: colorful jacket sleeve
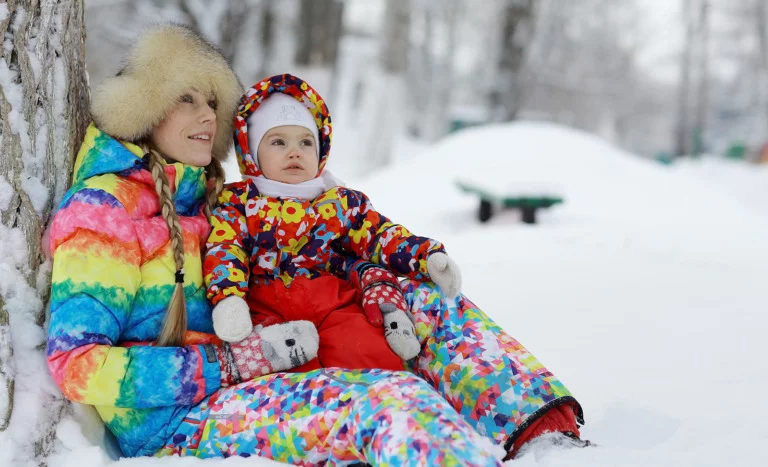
96,274
226,267
373,237
352,269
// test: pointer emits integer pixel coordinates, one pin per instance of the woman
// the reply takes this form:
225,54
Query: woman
130,329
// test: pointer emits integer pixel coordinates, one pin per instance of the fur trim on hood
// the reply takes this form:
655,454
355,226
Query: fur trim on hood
165,62
299,90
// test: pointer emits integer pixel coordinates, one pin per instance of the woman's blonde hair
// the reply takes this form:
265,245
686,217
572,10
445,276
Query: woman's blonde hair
175,323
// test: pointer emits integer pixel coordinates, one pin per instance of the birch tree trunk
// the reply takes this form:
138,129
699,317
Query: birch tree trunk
227,24
761,28
318,32
683,136
516,30
44,112
702,99
386,86
430,75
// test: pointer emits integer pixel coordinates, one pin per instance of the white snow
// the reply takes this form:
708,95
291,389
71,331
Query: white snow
737,179
33,385
645,292
6,193
37,192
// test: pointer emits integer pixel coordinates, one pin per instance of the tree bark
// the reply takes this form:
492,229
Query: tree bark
44,112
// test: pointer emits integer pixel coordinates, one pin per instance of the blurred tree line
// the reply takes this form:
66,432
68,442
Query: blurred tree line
424,68
723,88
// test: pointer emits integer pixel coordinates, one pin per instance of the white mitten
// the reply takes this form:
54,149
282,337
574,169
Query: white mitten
232,319
445,273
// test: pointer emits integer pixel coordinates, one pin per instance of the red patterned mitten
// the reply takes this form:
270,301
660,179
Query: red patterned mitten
383,302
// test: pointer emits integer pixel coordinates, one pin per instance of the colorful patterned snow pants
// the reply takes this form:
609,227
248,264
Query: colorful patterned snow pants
489,388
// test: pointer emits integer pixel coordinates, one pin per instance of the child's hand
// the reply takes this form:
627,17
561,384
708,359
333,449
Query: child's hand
267,350
384,303
445,273
232,319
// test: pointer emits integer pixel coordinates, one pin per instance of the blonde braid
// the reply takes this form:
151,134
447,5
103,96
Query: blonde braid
214,172
175,323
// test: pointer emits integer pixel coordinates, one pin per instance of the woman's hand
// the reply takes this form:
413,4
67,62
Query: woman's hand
445,273
268,350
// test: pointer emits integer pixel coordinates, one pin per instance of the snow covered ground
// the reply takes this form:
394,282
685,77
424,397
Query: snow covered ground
645,292
744,182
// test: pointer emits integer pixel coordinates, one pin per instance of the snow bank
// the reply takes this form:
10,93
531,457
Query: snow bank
645,292
634,201
739,180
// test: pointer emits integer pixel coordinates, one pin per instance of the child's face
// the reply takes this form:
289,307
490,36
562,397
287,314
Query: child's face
287,154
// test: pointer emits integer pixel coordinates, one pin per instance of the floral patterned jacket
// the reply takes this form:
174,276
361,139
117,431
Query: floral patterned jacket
256,239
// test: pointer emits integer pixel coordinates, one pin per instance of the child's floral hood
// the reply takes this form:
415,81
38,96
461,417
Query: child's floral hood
253,97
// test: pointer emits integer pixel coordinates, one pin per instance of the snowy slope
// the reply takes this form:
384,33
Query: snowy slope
645,292
740,180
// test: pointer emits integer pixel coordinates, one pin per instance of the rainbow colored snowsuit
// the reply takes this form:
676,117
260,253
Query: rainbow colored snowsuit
112,281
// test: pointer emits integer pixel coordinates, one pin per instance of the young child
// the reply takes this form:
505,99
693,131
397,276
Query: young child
286,239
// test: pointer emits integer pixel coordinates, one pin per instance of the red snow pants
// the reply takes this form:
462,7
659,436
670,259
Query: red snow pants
347,339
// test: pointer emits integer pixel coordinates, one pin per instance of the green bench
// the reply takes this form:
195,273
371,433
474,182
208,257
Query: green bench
527,203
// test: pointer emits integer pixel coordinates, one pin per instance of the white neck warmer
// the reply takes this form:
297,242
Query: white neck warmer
308,190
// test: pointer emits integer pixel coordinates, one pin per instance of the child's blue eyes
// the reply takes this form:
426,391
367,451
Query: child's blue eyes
280,142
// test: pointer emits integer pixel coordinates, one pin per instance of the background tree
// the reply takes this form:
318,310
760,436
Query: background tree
514,33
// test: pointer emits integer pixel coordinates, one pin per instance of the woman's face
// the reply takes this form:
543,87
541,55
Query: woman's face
186,135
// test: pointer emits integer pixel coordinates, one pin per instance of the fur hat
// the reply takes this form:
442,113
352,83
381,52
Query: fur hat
165,62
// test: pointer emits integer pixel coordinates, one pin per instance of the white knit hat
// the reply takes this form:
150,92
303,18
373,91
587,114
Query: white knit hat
279,110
